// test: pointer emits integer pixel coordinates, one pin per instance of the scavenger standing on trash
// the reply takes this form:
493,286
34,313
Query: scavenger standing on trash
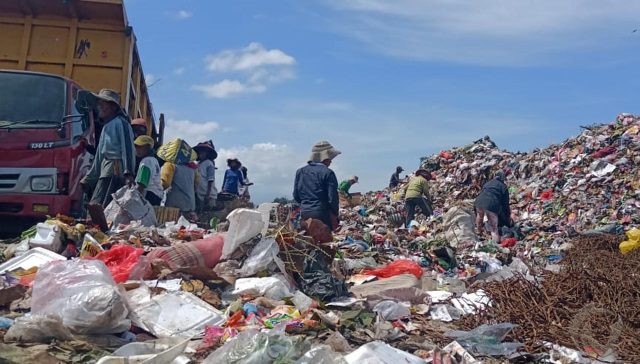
114,161
493,202
148,176
233,178
395,178
180,180
416,194
316,186
206,191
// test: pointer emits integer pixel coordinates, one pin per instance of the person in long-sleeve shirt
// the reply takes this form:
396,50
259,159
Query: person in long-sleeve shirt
114,160
493,202
395,178
416,194
345,186
233,177
316,186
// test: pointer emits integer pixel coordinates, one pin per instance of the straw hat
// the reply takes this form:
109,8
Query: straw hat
143,140
322,151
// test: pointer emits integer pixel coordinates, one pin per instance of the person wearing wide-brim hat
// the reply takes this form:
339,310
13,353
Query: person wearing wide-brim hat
114,161
206,191
233,178
416,194
316,186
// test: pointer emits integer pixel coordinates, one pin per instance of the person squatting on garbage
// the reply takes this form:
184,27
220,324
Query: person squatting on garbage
345,186
206,192
316,186
180,182
493,202
233,178
416,194
148,176
395,178
114,160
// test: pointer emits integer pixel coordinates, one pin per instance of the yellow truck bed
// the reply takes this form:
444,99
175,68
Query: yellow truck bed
89,41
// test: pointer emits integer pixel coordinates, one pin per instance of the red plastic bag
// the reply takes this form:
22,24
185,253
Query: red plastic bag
546,195
396,268
120,259
509,242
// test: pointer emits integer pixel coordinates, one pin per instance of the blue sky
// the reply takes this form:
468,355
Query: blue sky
385,81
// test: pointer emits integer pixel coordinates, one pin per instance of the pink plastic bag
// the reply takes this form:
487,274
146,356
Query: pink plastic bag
120,259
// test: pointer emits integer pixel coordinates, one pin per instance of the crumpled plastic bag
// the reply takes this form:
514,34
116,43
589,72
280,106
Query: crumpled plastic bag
486,340
317,280
396,268
244,224
632,242
321,354
254,347
120,259
391,310
37,329
83,293
129,205
270,287
260,257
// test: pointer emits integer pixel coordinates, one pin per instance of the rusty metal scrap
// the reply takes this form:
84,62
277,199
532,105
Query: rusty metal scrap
591,305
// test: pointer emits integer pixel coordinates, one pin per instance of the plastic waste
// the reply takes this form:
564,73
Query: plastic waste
47,237
161,351
632,242
302,302
129,205
470,303
459,223
259,259
120,260
270,287
396,268
244,224
37,329
5,323
317,281
322,354
83,293
445,313
487,340
253,347
391,311
90,247
377,352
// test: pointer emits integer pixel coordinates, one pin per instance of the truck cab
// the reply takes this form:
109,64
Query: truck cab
44,135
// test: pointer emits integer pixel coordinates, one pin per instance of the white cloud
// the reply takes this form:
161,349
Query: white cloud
270,166
253,56
227,88
179,71
183,14
254,69
192,132
486,32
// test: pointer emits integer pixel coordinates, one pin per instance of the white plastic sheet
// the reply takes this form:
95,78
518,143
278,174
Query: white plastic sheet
244,224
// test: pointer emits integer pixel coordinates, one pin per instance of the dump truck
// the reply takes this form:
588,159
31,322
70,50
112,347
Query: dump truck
52,53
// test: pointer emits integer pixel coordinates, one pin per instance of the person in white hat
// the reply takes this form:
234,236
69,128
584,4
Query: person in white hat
114,162
316,186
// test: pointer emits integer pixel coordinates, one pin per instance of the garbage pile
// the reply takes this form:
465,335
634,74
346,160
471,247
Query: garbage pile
266,287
